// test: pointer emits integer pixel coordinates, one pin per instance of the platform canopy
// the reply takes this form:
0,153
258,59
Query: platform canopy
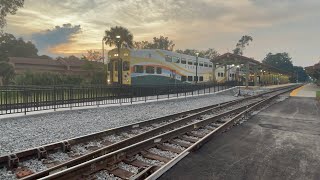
314,71
233,59
254,71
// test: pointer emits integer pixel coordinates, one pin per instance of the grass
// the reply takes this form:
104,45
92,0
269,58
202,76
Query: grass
318,95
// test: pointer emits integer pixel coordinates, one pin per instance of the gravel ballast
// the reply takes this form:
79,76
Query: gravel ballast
20,133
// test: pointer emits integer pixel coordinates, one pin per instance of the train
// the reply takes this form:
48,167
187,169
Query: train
156,66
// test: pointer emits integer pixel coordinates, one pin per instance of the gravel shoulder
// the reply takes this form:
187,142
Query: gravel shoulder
24,132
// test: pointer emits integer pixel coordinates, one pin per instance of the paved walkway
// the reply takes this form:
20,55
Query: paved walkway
281,142
308,90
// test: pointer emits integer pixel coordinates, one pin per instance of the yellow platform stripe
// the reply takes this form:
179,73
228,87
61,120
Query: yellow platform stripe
295,92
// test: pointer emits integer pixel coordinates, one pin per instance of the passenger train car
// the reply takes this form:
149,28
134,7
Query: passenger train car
155,66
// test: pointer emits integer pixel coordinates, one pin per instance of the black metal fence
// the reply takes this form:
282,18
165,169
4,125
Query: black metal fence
23,99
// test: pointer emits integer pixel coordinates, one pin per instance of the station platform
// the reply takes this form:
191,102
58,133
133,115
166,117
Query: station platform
280,142
308,90
267,87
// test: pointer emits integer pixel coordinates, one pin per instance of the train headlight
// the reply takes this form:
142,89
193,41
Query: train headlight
108,80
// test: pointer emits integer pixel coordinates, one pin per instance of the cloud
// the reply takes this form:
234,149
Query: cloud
190,23
54,37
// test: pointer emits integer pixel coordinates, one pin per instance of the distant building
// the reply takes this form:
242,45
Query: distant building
61,66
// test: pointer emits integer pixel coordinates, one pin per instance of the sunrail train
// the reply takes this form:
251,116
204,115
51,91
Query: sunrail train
155,66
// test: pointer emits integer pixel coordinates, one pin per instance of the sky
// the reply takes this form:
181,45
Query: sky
73,26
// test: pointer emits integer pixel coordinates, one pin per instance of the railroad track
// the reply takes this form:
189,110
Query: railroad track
131,151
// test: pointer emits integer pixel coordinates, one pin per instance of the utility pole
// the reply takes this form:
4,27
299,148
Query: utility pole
197,67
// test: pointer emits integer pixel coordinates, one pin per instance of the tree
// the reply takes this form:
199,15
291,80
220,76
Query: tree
163,43
299,73
242,43
6,72
93,55
17,47
126,37
209,53
279,60
44,57
8,7
142,45
158,43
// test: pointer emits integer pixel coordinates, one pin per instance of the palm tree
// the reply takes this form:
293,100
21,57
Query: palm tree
126,37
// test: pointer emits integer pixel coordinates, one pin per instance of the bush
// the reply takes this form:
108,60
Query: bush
29,78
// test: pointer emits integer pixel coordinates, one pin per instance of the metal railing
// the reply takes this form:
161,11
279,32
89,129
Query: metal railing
23,99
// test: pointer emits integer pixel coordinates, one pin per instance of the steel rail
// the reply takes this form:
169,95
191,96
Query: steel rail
128,151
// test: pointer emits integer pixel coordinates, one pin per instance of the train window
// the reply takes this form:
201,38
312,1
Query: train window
195,78
189,62
176,59
150,69
183,61
195,63
201,78
109,67
159,70
200,63
183,78
210,65
168,58
125,66
205,64
138,69
190,78
116,66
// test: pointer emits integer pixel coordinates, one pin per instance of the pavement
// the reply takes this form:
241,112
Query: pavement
281,142
308,90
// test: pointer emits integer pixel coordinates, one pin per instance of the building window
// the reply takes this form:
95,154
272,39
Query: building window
116,66
222,75
138,69
176,59
201,78
125,66
159,70
183,78
189,62
150,69
218,74
195,63
200,63
205,64
168,58
190,78
210,65
195,78
183,61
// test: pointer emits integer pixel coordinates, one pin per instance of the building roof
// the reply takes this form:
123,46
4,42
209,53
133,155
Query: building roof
48,62
34,61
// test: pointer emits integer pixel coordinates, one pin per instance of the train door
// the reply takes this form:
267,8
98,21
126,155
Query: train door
113,71
126,74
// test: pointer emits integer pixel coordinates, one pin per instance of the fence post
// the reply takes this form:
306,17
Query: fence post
25,101
54,98
131,94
